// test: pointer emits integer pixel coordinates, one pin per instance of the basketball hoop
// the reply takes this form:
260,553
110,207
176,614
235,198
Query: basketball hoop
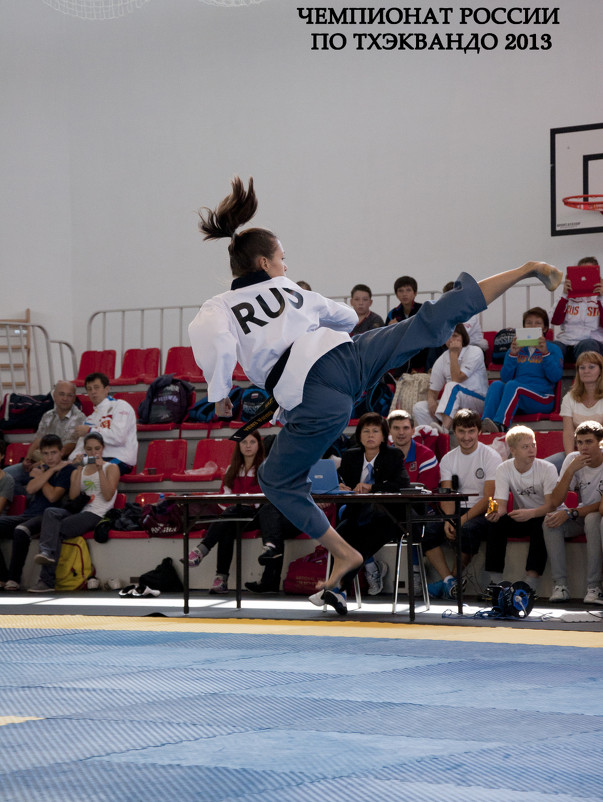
586,203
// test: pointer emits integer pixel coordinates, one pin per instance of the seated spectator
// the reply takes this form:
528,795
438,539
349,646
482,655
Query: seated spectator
114,419
361,301
473,328
7,488
240,477
458,379
581,472
421,466
531,482
93,477
48,483
528,378
373,467
469,468
584,401
405,289
580,320
61,420
19,472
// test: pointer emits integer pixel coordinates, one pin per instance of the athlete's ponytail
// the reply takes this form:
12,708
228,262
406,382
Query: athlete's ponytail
235,210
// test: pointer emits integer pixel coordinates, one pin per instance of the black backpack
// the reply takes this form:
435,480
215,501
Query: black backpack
252,399
23,411
376,399
502,343
167,400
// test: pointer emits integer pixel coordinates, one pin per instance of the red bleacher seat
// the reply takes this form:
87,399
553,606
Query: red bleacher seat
212,458
17,505
140,366
95,362
537,416
87,405
181,362
15,452
548,443
238,374
164,457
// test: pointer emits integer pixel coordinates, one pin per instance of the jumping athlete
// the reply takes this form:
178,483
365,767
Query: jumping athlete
295,343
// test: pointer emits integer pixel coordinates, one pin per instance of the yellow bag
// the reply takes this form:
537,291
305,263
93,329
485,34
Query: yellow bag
74,567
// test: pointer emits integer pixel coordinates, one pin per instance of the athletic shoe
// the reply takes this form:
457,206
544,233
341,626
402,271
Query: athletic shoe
11,585
44,559
436,589
269,552
375,578
489,426
449,588
40,587
594,596
258,587
560,593
194,558
219,585
145,590
337,601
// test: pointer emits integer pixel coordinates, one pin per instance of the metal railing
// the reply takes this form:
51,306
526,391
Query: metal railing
29,359
142,327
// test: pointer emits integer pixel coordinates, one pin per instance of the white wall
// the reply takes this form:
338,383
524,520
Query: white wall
367,164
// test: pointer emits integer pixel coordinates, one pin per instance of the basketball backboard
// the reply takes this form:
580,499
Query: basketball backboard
576,169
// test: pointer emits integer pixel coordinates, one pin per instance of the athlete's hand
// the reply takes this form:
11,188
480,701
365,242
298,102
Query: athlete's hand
224,408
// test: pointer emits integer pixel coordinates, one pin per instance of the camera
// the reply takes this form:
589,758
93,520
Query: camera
88,460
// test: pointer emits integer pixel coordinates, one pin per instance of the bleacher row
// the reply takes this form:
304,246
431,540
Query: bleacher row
169,463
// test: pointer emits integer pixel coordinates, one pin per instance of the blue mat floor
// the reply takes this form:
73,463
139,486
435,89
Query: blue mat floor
144,716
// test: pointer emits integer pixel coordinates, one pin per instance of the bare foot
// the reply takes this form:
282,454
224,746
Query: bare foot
549,275
345,558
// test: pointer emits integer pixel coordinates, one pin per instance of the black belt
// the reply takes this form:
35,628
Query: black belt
270,405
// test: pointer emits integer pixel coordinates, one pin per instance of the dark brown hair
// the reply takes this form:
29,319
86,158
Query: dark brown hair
467,418
537,311
235,210
372,419
237,460
460,329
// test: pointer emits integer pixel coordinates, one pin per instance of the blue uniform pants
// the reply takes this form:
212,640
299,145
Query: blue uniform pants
333,385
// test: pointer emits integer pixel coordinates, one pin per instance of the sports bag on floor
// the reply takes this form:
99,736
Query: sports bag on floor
305,572
74,567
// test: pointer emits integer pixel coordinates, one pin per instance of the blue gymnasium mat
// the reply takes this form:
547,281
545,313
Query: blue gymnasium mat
147,716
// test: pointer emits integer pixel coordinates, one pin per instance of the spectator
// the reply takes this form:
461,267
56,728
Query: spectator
93,477
361,301
405,289
471,469
62,420
580,320
528,378
20,472
583,473
49,480
531,482
114,419
240,477
7,488
459,375
373,467
304,285
421,466
583,402
473,327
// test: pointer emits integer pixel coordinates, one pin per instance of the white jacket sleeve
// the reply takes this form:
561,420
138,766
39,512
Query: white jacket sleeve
215,348
337,316
117,427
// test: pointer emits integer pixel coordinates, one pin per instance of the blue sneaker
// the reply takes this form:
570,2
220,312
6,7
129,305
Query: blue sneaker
436,589
449,589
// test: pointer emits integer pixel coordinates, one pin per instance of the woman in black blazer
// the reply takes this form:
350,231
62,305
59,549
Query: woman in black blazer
376,467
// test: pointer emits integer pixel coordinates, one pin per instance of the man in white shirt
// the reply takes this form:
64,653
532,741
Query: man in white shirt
114,419
469,468
531,482
582,471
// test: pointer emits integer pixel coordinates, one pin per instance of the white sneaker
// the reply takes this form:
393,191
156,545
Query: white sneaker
336,600
594,596
560,593
375,578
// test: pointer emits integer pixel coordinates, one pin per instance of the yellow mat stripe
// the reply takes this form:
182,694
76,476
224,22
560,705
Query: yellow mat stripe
17,719
351,629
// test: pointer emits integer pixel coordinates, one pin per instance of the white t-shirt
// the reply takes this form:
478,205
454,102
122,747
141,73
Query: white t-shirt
578,412
473,470
581,321
529,488
471,362
587,482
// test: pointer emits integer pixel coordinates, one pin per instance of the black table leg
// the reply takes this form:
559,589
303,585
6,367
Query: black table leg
185,542
239,550
459,557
